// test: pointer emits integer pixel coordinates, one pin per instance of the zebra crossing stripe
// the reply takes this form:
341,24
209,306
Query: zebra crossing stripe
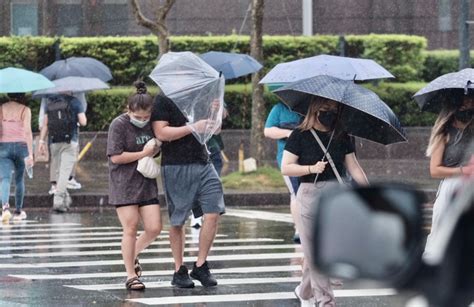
36,224
146,251
109,244
247,297
261,215
18,241
167,283
102,275
232,257
58,229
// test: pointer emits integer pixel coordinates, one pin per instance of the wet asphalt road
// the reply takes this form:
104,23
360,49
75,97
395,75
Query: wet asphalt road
74,259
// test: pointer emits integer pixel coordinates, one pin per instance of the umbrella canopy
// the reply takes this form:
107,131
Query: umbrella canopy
16,80
445,89
340,67
77,67
192,85
363,113
232,65
73,84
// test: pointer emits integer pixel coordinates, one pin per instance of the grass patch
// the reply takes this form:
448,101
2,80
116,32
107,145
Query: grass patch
264,178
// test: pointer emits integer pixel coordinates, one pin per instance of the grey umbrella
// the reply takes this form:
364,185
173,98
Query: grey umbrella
337,66
73,84
445,89
363,113
77,67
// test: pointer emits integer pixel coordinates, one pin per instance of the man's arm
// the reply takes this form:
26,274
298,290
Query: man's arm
165,133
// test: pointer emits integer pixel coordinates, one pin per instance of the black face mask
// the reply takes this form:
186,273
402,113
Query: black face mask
464,116
327,118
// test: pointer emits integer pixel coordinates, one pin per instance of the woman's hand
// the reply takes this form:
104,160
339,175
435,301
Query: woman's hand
149,151
29,161
318,168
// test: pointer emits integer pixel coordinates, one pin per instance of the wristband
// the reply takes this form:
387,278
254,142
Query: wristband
309,169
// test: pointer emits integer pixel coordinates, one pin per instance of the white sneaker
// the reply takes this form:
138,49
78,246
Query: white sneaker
196,222
52,190
19,216
73,184
6,215
304,303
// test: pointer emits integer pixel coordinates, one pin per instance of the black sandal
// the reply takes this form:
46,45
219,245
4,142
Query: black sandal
134,283
138,268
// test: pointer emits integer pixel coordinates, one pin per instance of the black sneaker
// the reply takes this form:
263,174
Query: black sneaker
181,278
203,274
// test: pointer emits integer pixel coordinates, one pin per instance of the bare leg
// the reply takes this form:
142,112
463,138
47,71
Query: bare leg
151,218
177,245
129,217
206,236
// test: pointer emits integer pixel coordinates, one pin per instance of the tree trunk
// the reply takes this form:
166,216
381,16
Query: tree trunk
258,103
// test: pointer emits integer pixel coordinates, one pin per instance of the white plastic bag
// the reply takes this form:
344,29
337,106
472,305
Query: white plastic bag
147,166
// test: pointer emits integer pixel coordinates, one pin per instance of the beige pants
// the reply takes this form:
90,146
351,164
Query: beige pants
313,283
64,156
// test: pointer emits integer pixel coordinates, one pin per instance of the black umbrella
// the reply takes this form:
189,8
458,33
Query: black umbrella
363,113
77,67
447,88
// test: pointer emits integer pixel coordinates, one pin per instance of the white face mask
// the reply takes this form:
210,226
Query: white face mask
138,123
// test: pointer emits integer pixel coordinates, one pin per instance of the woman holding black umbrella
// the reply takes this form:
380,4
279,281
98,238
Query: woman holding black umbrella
450,148
320,153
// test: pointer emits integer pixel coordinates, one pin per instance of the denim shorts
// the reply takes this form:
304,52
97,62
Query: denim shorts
195,187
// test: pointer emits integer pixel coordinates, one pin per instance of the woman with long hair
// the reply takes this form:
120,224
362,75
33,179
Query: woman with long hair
134,196
318,168
16,151
450,147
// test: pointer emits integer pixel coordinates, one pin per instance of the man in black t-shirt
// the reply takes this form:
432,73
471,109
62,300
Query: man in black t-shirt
190,182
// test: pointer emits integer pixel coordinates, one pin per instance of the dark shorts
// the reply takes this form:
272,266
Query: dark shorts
153,201
195,187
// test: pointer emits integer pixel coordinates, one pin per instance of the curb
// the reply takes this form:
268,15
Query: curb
232,199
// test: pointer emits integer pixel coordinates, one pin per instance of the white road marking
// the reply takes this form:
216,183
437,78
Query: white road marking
261,215
247,297
109,244
85,264
146,251
20,225
57,229
102,275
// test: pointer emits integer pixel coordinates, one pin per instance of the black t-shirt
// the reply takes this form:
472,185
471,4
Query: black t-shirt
185,150
304,145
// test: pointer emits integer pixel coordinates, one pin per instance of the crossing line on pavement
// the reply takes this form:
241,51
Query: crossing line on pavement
102,275
35,224
110,244
58,229
167,283
261,215
18,241
232,257
146,251
247,297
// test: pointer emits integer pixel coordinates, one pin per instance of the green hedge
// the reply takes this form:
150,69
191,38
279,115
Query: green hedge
440,62
103,106
132,57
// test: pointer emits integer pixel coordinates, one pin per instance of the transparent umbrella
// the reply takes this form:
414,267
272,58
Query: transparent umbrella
195,88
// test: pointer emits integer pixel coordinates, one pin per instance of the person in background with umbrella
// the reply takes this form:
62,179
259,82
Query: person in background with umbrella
134,196
63,115
280,123
16,150
450,148
304,157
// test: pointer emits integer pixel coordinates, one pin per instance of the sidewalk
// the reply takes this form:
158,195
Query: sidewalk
93,175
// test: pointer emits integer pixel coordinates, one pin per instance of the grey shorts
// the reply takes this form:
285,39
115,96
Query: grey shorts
195,187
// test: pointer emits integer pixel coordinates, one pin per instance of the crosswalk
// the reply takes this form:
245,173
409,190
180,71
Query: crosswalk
253,259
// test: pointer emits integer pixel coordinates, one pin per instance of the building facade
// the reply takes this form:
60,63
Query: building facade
435,19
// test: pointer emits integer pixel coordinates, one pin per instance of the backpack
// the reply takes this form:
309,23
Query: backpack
61,119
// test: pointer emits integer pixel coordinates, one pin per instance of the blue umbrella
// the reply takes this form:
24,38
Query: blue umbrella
232,65
447,88
16,80
363,113
77,67
340,67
